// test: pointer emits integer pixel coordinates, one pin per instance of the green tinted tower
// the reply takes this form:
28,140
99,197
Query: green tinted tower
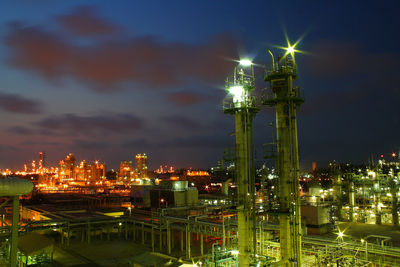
286,99
243,106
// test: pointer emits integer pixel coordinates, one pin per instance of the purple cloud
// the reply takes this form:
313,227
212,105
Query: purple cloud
71,123
18,104
186,98
84,21
105,65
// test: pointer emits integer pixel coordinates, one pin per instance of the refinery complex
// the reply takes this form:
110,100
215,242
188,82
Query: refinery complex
80,213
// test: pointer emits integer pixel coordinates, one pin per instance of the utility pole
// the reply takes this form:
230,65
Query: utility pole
286,99
243,106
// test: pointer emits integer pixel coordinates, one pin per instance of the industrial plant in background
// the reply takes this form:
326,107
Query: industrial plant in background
230,215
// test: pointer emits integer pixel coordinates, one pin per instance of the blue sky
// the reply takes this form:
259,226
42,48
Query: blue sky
107,80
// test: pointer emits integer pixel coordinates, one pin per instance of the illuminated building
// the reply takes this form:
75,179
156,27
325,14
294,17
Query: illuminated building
141,166
42,156
197,173
125,171
199,179
33,164
66,167
83,172
164,169
98,171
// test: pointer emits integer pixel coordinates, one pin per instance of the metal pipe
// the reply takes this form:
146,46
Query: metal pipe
14,231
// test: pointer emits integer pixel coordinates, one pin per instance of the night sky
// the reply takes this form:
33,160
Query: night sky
106,81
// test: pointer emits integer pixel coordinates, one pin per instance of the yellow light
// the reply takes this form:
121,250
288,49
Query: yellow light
340,234
245,62
235,252
290,50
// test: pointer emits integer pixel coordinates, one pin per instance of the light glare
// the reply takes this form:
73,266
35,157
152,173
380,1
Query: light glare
237,92
245,62
235,252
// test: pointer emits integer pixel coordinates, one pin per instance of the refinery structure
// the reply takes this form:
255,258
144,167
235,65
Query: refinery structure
231,215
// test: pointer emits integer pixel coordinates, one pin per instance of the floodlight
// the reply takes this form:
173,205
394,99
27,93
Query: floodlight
245,62
290,49
235,252
238,93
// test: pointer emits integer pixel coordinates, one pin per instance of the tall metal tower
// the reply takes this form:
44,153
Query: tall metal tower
244,107
286,98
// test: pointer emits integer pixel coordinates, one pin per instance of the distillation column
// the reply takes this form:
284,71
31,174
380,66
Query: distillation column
337,194
244,109
377,199
352,198
394,189
286,99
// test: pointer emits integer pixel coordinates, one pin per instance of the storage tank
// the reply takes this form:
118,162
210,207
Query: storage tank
13,186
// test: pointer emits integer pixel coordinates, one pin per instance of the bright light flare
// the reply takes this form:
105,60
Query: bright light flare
290,50
245,62
237,92
235,252
340,234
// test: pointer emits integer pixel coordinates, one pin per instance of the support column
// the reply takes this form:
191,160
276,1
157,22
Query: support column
126,230
14,231
188,256
173,239
142,233
134,231
62,237
223,233
181,241
201,245
68,236
83,234
169,238
161,238
152,238
395,214
88,233
229,233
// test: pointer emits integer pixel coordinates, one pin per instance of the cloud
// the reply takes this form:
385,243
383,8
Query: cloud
332,101
83,21
105,65
20,130
335,59
41,143
137,143
91,145
181,122
101,124
8,148
349,76
17,104
186,98
198,142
